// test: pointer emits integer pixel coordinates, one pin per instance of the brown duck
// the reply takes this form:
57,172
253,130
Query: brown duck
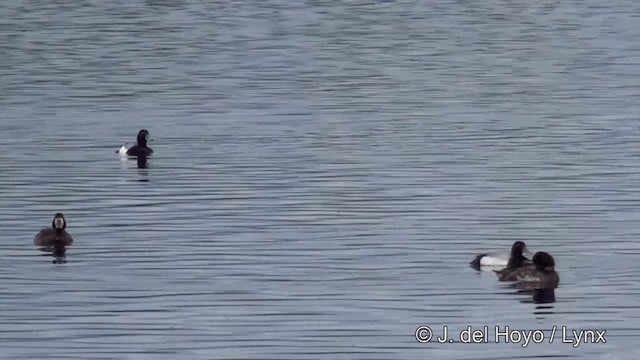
55,236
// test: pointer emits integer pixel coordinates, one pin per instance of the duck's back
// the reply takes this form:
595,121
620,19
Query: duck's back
137,150
512,273
539,278
50,237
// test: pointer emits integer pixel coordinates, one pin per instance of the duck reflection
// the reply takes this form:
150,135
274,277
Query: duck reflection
143,169
544,296
142,161
59,253
536,293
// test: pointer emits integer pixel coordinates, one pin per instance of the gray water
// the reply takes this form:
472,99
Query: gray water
323,173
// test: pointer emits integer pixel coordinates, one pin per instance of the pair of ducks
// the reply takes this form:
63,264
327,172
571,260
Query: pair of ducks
540,270
56,239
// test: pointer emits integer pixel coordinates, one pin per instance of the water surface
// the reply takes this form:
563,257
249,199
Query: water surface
323,173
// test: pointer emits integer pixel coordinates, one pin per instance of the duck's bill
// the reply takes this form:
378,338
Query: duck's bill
528,254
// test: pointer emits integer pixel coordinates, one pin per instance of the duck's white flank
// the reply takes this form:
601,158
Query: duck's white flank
495,259
123,149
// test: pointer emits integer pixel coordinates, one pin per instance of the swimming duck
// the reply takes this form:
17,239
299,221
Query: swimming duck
513,259
55,239
54,236
139,149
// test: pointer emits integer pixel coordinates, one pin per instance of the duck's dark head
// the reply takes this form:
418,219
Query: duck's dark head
544,261
519,249
59,222
143,137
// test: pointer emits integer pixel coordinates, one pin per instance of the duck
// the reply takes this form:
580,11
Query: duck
55,236
517,260
140,149
504,259
541,274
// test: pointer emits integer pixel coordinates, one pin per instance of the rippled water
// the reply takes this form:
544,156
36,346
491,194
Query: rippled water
323,173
